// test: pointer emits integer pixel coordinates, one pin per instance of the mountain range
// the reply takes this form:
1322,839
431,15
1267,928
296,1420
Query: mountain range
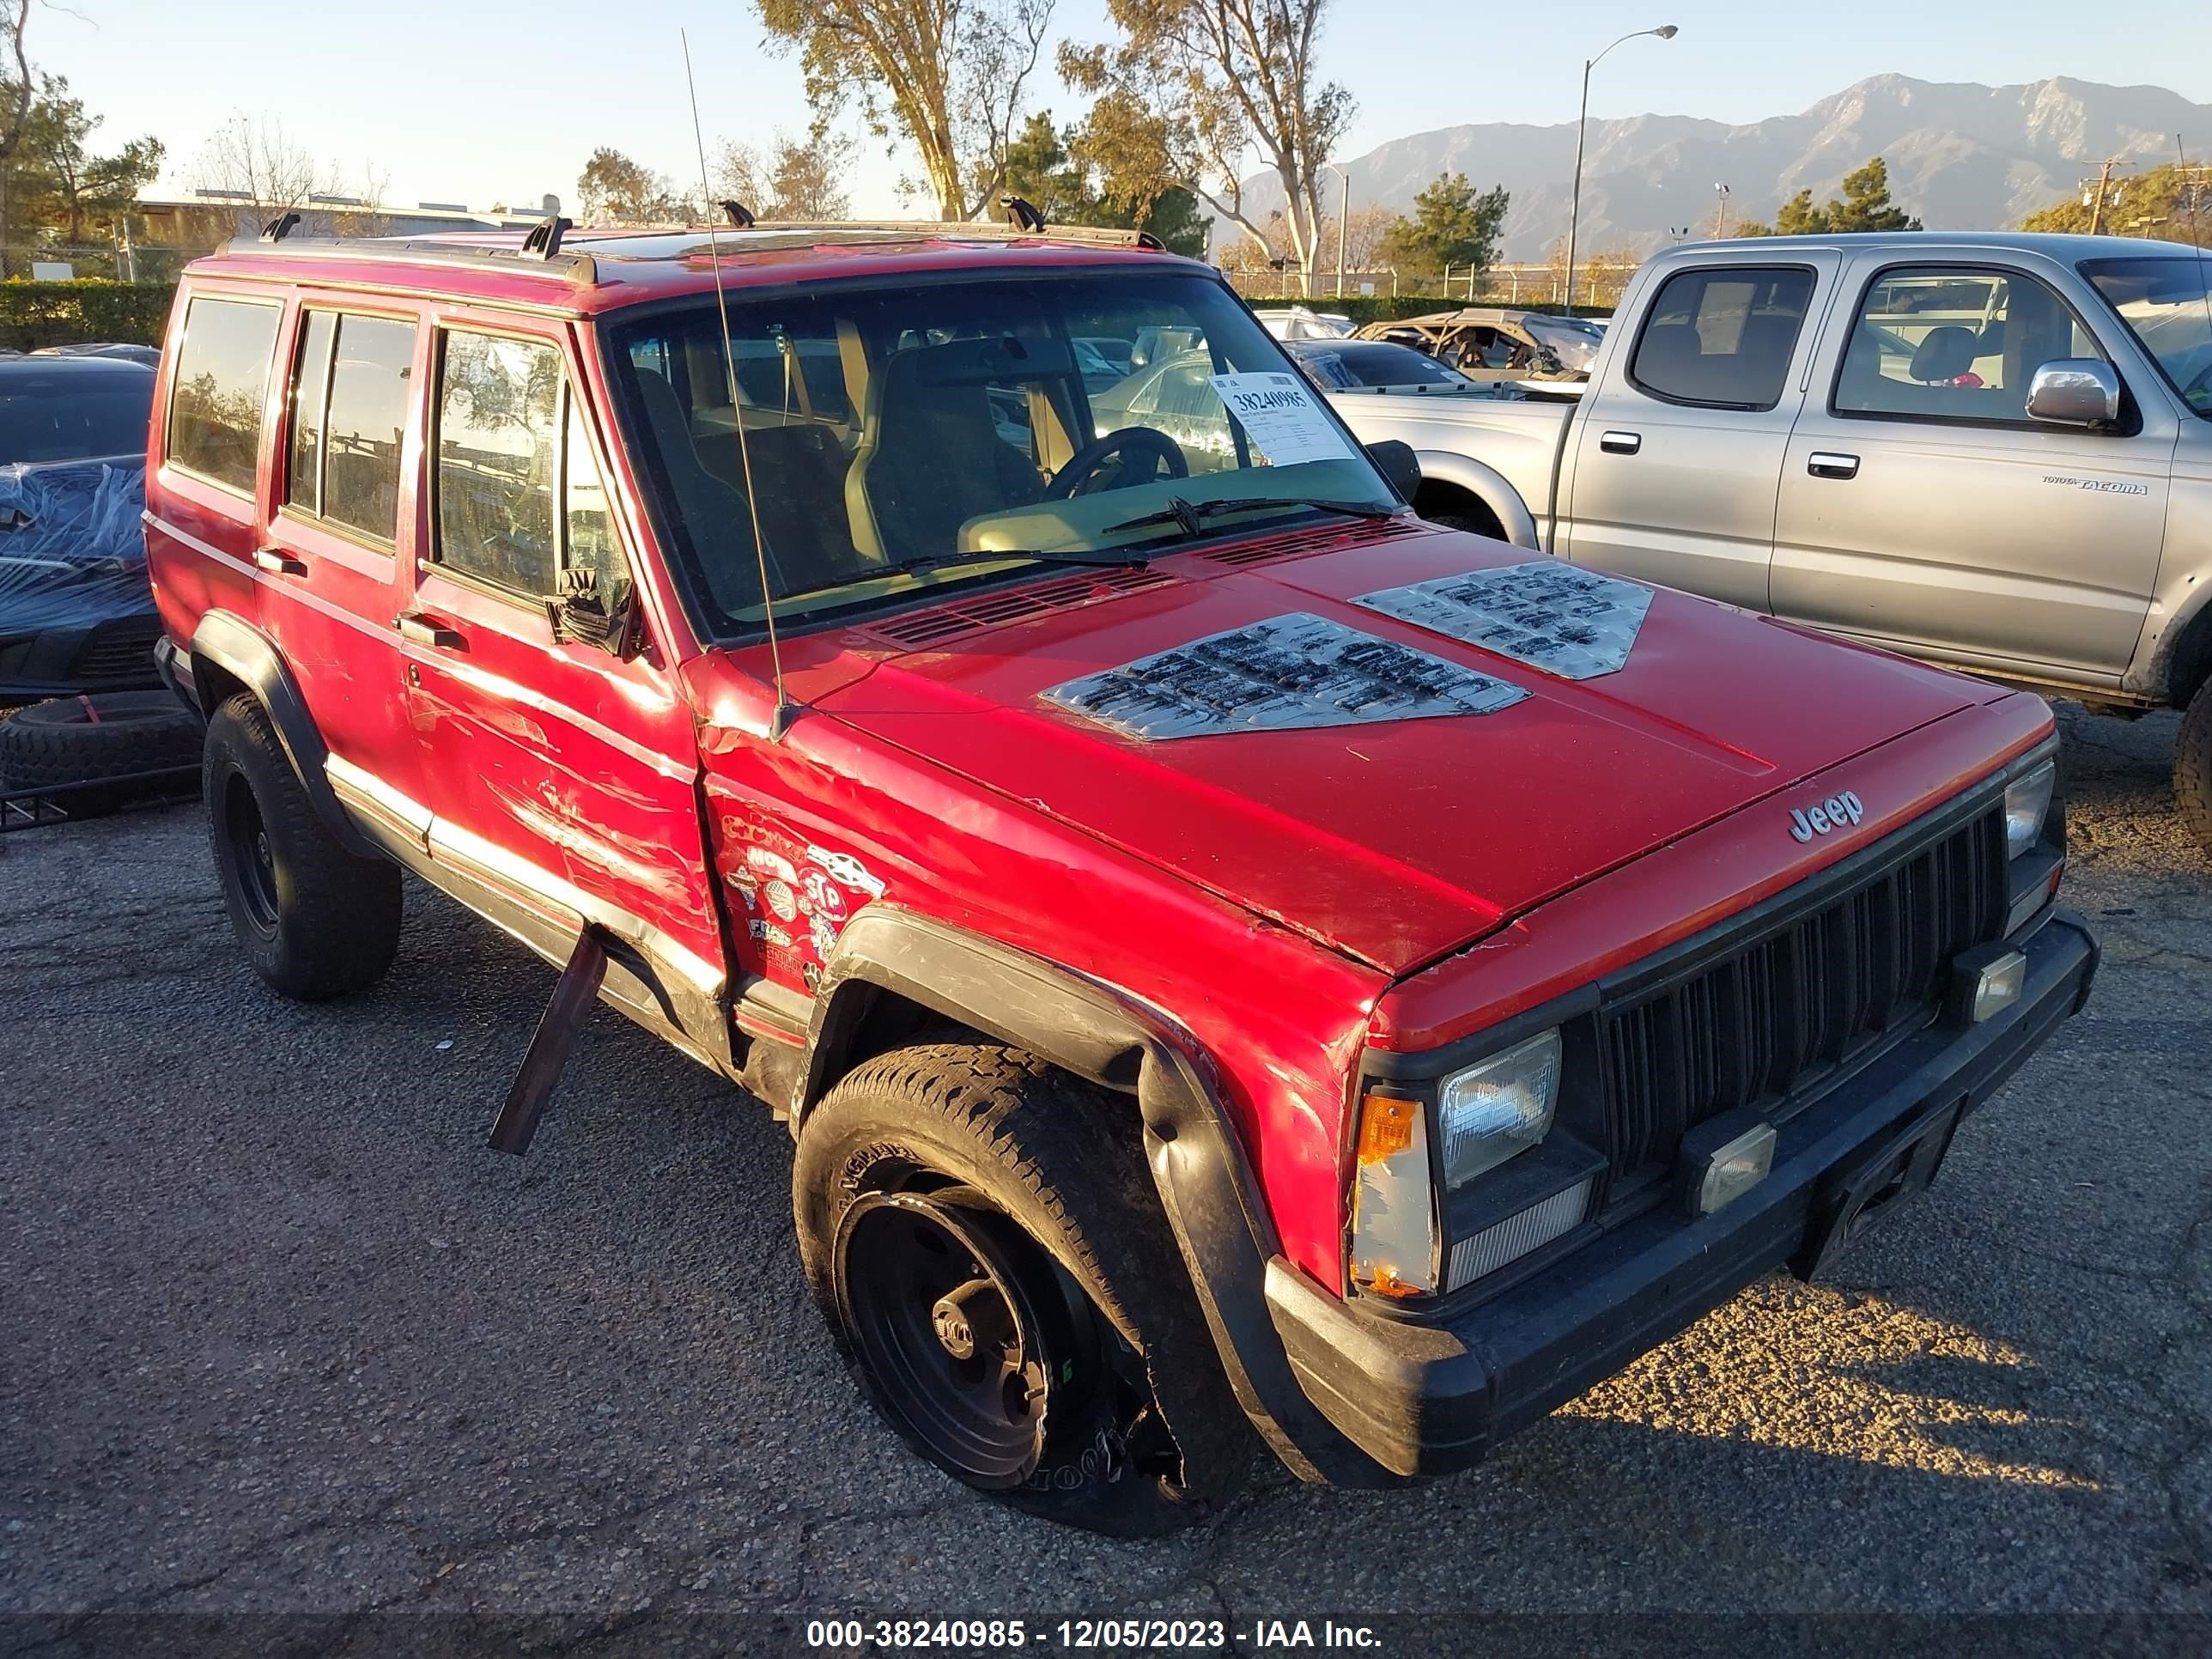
1961,156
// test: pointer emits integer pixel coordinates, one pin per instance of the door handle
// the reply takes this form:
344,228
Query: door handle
1620,443
1826,464
424,628
277,562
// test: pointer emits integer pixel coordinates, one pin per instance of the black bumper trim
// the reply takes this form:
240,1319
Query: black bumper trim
1424,1400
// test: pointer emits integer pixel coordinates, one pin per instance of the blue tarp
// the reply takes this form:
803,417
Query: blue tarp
72,547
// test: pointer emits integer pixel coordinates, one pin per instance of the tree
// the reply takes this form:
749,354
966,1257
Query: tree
613,190
795,178
1452,225
1055,172
948,75
1193,85
16,92
60,185
1864,205
2157,204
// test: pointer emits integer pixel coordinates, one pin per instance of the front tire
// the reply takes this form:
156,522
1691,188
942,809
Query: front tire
2192,765
981,1232
316,920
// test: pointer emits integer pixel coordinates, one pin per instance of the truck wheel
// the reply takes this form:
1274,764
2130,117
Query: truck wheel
2192,765
317,922
981,1232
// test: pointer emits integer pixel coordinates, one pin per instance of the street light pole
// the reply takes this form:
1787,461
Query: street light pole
1343,215
1664,31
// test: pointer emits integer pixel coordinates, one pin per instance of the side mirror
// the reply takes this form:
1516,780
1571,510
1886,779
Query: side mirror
586,614
2074,391
1394,460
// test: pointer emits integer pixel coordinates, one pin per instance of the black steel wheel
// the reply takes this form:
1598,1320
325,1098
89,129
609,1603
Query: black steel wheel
938,1296
982,1234
253,860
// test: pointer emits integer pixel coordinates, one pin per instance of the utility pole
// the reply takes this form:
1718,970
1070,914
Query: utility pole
1720,212
2099,195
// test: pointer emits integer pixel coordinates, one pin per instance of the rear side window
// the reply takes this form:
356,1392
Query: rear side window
498,439
222,380
1723,337
350,402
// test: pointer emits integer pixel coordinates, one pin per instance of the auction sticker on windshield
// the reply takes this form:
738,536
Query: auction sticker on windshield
1282,417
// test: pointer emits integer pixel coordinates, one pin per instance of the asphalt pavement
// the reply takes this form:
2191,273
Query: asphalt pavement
278,1336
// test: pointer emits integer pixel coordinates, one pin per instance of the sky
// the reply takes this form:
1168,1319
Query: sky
478,102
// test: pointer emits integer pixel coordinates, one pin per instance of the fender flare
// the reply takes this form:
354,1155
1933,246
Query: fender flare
1100,1033
1487,485
2181,661
225,640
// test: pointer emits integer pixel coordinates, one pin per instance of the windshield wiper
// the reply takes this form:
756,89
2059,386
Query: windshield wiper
1105,558
1190,516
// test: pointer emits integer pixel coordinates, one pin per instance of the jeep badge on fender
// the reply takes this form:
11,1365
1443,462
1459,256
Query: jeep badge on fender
1831,814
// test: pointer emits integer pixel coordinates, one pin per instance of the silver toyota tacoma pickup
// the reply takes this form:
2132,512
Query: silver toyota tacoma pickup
1989,451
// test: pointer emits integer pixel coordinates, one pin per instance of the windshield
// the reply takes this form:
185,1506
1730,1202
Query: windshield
887,428
44,418
2167,304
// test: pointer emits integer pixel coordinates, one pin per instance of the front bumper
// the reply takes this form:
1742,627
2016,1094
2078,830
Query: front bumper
1429,1399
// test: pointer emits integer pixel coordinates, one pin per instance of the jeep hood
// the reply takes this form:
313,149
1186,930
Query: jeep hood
1395,841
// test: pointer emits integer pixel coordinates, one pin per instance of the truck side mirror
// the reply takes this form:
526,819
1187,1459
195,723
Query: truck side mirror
1394,460
2074,391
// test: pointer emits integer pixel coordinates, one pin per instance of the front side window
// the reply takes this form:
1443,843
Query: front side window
520,500
222,381
889,428
498,431
1953,343
1722,336
2166,304
349,410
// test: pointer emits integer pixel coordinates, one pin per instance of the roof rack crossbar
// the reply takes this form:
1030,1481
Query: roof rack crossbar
577,269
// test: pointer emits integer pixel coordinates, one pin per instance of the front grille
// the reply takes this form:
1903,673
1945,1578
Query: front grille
122,649
1790,1004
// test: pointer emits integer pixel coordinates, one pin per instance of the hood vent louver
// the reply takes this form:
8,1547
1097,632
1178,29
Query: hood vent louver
940,624
1319,538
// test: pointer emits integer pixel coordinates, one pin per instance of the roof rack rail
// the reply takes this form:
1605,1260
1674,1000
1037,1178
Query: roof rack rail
971,230
576,269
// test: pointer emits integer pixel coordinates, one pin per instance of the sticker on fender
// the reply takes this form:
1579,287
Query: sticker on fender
1280,415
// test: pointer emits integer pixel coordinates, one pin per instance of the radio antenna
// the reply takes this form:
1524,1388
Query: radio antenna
785,710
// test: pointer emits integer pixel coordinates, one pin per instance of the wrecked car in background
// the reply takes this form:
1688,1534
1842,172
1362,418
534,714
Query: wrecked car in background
76,612
1228,952
1493,343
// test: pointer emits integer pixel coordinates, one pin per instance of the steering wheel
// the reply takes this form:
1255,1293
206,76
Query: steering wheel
2201,381
1068,481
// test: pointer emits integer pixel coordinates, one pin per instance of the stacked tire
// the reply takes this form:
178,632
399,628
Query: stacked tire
95,753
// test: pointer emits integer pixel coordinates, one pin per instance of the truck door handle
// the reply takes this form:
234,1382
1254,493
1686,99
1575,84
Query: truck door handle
1620,443
277,562
424,628
1826,464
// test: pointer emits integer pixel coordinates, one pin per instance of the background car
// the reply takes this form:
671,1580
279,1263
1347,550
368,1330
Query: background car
1376,366
1303,323
76,614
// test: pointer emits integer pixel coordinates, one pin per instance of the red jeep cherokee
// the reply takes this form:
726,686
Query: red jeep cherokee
1226,950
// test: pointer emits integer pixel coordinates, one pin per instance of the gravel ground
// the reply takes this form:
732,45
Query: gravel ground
282,1337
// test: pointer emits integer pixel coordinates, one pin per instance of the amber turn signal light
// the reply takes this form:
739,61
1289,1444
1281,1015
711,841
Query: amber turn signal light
1386,1127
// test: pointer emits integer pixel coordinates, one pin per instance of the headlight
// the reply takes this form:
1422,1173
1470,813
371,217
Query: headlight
1497,1108
2027,804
